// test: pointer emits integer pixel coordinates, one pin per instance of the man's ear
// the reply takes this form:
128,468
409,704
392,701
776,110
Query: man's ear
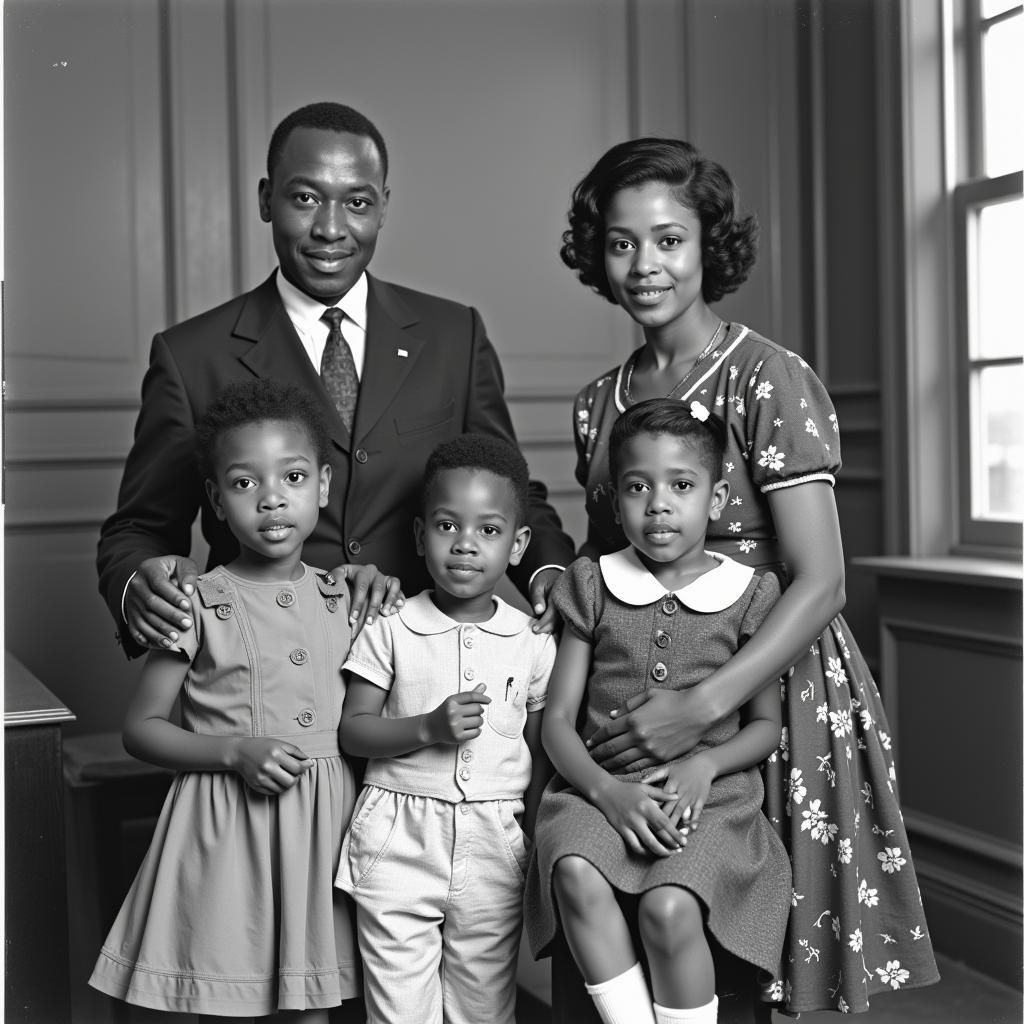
263,195
719,496
213,493
519,545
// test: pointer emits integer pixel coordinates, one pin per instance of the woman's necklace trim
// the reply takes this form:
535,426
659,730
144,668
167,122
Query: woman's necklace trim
632,363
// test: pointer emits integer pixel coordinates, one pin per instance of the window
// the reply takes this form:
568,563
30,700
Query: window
985,45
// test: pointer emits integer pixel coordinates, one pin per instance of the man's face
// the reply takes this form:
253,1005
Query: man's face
325,203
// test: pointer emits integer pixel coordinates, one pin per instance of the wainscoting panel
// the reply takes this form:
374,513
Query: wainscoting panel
951,679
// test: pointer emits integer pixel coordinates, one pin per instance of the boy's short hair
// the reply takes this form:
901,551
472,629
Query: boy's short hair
482,451
705,431
259,401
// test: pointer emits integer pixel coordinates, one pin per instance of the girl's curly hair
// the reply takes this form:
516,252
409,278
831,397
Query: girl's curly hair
259,401
729,241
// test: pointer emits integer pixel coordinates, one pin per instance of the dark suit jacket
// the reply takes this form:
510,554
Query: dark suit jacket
429,374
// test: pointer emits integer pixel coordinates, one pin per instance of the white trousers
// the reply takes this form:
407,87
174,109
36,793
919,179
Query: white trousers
439,894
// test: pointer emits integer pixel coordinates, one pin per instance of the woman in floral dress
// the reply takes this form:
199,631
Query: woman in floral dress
654,229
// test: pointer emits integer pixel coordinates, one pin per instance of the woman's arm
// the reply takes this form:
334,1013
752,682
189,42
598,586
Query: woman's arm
268,765
364,733
758,736
661,725
631,808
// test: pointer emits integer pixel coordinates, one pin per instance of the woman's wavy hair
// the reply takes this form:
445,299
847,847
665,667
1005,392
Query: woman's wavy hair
728,240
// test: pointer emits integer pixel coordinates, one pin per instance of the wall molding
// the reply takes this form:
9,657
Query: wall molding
949,834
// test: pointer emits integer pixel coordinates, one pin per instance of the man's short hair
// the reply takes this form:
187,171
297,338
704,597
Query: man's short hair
331,117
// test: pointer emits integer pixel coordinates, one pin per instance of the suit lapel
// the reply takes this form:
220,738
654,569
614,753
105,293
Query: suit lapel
392,348
276,352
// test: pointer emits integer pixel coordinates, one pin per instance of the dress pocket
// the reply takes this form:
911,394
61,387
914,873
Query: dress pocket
371,832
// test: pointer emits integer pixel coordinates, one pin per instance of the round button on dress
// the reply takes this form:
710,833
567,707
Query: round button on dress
286,599
299,656
659,673
225,611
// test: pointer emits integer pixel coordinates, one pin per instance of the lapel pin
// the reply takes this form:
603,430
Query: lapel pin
403,354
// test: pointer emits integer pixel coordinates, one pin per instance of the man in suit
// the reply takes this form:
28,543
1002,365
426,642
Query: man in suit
397,371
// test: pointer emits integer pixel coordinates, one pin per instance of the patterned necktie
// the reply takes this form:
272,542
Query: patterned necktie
338,369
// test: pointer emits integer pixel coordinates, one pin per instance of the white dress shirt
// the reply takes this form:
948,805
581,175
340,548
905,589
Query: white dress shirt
305,314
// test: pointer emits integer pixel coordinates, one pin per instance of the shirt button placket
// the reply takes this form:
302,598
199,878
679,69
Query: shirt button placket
467,641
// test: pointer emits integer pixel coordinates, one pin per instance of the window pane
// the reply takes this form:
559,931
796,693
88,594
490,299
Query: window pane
998,281
997,444
1003,71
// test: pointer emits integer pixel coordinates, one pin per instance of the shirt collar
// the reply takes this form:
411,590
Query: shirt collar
299,306
421,615
632,582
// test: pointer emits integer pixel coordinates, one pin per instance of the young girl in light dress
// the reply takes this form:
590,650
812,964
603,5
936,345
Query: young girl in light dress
233,912
686,839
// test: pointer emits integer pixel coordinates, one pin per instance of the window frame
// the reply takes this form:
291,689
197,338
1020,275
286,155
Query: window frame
972,191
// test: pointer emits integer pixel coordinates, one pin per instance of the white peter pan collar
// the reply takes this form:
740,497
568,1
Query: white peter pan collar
632,582
422,616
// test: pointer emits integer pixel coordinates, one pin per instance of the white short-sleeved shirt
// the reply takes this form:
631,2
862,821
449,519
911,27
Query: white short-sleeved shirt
420,656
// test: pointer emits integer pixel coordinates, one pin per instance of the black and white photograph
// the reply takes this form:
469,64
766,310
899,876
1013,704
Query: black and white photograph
513,511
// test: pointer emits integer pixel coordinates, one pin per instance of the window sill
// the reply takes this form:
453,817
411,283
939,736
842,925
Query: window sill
990,572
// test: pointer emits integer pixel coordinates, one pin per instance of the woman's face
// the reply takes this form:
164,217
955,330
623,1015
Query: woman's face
652,255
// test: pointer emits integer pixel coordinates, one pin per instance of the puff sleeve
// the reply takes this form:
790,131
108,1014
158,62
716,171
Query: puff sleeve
575,596
792,430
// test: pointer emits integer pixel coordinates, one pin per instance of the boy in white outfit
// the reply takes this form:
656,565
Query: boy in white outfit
444,698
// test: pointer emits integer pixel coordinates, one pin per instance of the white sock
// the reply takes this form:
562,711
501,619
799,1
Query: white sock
623,999
706,1014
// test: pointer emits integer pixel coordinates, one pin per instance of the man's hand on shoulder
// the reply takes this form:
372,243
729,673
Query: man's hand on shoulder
540,593
371,591
157,601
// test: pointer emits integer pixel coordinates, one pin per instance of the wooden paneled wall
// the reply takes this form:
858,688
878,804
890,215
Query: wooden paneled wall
136,134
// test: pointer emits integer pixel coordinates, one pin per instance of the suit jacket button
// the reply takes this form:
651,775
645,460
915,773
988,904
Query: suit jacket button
361,455
354,547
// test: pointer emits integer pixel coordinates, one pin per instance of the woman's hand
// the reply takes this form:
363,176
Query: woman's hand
651,728
372,592
268,765
689,782
634,810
